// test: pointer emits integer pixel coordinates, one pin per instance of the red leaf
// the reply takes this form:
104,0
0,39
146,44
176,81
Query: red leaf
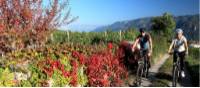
110,46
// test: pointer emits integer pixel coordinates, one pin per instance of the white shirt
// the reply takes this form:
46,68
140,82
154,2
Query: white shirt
179,44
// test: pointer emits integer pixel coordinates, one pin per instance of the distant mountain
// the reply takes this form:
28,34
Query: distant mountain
79,27
190,26
189,23
124,25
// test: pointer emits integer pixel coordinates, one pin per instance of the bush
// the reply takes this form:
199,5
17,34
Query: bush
6,78
105,69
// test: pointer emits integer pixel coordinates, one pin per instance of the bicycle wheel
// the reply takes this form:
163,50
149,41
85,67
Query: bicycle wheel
146,71
175,76
146,68
139,75
179,69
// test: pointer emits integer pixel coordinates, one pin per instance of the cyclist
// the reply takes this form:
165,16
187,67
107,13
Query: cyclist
180,48
145,42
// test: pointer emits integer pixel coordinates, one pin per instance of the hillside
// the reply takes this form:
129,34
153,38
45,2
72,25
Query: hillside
189,23
124,25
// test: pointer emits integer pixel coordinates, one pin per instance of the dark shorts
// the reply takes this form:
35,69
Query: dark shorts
145,52
181,55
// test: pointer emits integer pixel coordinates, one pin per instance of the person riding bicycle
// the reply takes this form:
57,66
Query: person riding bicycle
180,48
145,42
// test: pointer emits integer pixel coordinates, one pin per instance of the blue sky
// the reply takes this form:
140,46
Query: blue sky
104,12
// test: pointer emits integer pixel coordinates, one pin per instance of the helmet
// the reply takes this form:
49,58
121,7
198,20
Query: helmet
179,30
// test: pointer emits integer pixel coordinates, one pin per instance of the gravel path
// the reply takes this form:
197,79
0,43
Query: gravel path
147,82
154,70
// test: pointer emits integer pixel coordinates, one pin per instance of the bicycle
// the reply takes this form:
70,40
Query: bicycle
176,71
143,68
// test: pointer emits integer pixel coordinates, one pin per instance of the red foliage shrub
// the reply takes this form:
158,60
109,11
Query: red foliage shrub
20,14
65,73
128,56
74,81
50,65
105,69
2,27
31,20
80,57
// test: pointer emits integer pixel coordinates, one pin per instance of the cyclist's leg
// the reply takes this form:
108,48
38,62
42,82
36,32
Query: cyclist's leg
182,57
174,57
148,59
146,52
146,68
174,69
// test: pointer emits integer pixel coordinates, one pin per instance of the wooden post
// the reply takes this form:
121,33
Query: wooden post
120,35
68,36
52,37
105,34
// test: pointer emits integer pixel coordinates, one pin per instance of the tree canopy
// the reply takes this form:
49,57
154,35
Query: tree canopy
164,24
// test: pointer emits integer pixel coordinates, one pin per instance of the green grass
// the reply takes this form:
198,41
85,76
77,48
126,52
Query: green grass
167,66
160,83
192,64
165,74
160,47
92,37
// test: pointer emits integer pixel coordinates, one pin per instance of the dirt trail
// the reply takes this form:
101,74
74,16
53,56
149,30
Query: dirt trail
154,70
146,82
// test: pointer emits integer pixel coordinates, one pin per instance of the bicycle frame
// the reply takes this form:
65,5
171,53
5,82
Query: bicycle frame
176,70
142,67
144,57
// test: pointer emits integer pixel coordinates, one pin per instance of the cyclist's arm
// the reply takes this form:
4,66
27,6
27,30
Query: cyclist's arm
135,43
171,46
151,44
186,46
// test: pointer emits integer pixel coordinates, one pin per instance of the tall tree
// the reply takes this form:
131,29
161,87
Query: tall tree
164,24
23,21
36,15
